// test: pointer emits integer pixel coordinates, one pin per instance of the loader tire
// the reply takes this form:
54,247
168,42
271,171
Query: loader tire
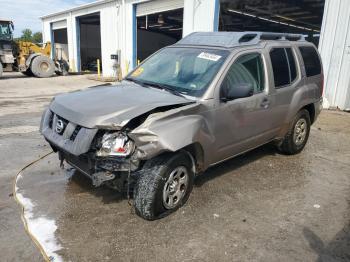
42,66
28,72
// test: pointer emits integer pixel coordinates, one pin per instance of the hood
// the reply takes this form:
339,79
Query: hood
111,106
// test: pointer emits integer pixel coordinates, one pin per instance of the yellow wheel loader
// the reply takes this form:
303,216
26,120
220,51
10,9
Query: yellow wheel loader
25,57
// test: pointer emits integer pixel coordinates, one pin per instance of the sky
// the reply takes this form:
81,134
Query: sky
26,13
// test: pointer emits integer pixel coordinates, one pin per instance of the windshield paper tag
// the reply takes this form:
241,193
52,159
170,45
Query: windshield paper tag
208,56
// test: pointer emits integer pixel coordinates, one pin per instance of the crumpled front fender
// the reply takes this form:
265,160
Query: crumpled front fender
172,131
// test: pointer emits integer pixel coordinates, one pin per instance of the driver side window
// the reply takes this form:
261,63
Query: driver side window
247,69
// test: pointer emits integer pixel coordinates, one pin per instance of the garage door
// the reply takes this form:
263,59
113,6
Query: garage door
157,6
59,24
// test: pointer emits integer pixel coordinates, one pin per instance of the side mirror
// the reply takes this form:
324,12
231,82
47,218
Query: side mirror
239,90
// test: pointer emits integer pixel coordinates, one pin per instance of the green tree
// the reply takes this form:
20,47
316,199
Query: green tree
37,37
27,35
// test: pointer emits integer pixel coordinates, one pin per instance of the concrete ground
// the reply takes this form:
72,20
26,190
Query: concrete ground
261,206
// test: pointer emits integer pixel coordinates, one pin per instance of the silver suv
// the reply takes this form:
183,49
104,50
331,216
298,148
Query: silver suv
192,105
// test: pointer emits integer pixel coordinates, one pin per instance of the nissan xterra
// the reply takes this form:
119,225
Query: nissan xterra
189,106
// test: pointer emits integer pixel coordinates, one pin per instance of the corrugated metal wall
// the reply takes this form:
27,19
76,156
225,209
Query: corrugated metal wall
199,15
335,51
112,19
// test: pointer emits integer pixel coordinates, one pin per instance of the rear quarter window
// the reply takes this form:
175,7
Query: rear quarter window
311,60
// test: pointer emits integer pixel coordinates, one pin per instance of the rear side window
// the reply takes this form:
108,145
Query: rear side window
283,66
311,60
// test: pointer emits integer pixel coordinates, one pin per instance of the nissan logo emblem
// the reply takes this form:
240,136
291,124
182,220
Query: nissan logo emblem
59,126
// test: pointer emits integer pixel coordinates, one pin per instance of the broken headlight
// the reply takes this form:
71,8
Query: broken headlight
116,144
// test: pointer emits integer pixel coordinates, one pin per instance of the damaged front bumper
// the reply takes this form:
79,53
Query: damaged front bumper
77,146
101,170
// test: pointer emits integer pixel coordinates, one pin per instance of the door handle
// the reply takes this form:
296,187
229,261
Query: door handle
265,103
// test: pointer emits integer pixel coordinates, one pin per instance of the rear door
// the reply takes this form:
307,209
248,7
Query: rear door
285,80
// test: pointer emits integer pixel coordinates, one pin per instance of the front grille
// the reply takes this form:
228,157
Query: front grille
51,119
72,138
59,125
75,133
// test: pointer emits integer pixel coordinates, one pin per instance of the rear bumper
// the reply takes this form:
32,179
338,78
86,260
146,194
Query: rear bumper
318,108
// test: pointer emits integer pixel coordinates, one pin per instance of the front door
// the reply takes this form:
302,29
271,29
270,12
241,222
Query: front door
244,123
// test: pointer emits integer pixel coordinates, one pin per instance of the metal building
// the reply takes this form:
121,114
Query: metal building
120,33
335,51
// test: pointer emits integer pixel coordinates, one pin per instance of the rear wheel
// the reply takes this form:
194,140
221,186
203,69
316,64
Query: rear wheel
298,134
164,185
42,66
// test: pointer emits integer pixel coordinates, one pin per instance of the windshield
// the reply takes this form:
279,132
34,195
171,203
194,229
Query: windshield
5,31
188,71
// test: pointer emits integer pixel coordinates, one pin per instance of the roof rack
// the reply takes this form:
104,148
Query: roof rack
232,39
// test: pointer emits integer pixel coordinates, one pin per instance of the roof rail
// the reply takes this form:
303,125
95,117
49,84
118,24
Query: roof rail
232,39
279,36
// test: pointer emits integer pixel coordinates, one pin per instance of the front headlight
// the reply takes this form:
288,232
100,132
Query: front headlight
116,144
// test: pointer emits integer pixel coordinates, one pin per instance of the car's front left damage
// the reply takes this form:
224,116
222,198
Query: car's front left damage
119,142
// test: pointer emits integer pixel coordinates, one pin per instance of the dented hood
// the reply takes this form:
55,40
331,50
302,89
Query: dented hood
112,106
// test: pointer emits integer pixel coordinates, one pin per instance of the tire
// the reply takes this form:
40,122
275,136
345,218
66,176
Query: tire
28,72
294,142
1,70
42,66
62,68
154,184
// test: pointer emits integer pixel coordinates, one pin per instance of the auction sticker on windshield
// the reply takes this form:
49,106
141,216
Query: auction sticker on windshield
209,56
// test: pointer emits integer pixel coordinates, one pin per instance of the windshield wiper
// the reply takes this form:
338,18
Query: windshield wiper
136,81
165,87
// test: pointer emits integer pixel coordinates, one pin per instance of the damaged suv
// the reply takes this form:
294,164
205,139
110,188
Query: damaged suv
205,99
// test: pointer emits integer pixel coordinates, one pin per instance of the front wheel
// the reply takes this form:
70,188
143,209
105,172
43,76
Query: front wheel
164,185
298,134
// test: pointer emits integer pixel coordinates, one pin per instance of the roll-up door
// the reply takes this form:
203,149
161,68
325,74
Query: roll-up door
158,6
59,24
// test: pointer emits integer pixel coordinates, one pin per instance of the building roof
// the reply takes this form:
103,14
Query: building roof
80,7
